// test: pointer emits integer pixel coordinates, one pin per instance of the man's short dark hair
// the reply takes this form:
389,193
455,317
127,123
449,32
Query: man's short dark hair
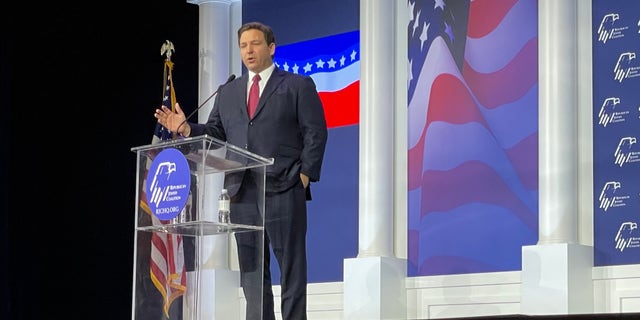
266,30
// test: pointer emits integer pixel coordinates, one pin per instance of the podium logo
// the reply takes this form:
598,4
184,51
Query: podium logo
609,196
608,30
609,114
627,151
626,67
627,236
167,190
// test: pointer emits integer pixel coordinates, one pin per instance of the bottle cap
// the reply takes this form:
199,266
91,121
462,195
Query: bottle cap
224,190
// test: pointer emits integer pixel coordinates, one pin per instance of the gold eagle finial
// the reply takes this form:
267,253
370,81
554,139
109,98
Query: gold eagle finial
167,49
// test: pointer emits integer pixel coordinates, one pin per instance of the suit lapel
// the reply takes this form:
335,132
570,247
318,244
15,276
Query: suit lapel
242,90
276,77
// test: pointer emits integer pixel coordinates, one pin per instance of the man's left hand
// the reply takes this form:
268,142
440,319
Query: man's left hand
305,180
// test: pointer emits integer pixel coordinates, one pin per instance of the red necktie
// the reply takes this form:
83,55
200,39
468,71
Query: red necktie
254,96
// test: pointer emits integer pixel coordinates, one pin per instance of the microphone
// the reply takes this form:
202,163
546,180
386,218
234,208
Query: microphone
231,77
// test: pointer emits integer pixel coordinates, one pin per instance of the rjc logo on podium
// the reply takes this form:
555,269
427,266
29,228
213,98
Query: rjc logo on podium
167,190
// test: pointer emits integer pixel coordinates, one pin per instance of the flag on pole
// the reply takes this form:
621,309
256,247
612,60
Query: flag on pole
167,269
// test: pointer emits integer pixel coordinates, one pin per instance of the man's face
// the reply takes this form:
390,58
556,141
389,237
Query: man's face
256,54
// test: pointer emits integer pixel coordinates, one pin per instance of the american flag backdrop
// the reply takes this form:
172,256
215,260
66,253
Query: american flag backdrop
333,62
472,135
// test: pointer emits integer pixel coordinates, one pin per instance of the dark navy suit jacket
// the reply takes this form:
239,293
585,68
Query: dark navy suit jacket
289,126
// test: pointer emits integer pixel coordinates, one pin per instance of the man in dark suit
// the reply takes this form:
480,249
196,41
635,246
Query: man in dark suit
288,125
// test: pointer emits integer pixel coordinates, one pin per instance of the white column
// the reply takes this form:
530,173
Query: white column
217,282
374,281
558,172
377,103
216,40
556,273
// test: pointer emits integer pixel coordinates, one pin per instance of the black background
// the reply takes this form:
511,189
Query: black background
80,83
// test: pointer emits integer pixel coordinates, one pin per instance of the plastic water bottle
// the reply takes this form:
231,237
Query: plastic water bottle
224,207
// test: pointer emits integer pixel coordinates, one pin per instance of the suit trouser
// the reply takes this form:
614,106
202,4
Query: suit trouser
286,228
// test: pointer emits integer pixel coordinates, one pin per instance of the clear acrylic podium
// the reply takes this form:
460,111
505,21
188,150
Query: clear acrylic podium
185,262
